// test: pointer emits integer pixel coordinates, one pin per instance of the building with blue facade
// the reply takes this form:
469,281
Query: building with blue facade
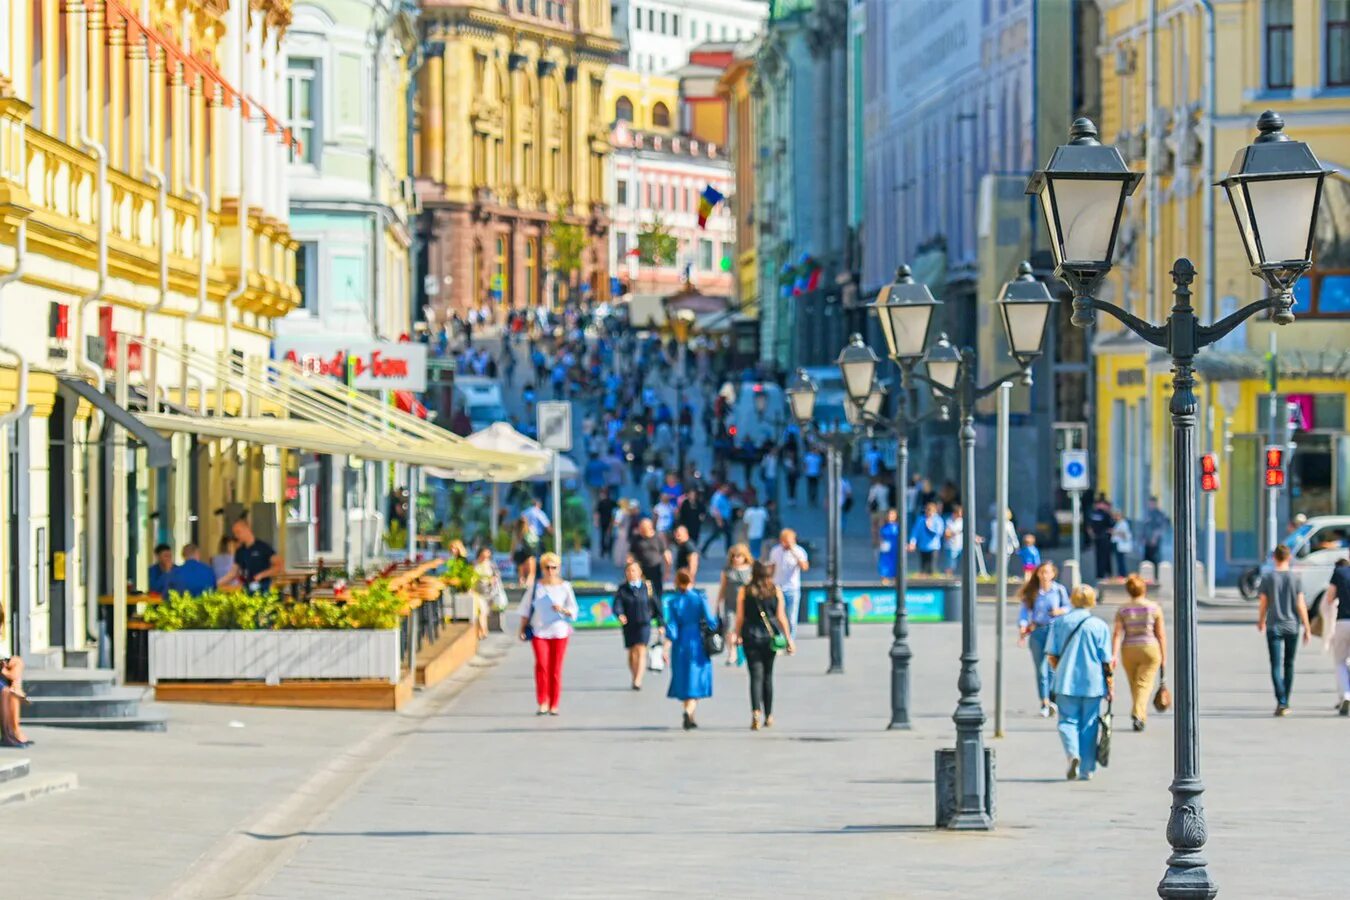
961,99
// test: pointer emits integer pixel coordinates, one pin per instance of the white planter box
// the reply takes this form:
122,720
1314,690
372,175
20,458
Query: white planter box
274,655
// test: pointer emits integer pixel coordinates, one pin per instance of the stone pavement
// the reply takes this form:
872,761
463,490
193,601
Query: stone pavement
470,795
612,799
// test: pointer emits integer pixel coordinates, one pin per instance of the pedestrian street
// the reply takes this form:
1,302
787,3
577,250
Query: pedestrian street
612,799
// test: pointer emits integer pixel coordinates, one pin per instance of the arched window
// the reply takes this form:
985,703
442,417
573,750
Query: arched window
661,116
531,272
623,110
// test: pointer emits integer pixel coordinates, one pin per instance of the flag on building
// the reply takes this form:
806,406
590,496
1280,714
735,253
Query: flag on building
707,202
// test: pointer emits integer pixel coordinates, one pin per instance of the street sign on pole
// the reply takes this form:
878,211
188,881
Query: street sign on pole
554,421
1073,470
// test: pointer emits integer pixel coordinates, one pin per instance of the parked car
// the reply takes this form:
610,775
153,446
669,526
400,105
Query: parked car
481,398
1316,545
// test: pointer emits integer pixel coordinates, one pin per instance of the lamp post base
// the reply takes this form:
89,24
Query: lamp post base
949,815
1187,884
900,657
834,609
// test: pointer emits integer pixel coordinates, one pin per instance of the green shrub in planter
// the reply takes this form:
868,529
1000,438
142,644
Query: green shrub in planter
374,607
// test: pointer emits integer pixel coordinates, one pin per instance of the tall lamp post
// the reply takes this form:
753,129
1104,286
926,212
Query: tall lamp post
1274,187
682,328
904,308
858,364
1025,306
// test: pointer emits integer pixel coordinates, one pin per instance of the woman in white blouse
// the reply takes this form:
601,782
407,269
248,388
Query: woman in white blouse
547,612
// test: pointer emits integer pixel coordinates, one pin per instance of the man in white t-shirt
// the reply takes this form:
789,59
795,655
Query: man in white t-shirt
755,518
789,561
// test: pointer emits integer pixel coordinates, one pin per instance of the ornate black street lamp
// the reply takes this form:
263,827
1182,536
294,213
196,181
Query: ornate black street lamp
1275,187
905,311
681,328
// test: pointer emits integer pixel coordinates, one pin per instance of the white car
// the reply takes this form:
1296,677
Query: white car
1317,544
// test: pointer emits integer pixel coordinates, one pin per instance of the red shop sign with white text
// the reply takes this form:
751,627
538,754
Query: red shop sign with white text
366,365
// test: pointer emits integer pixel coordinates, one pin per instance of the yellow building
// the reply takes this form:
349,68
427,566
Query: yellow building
735,86
647,102
512,135
1285,55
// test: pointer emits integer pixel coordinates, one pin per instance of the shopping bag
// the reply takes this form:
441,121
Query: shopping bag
656,658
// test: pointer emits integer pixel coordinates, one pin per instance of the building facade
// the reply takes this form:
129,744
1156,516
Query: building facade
1294,58
511,140
658,179
735,87
143,219
800,88
658,34
348,68
960,102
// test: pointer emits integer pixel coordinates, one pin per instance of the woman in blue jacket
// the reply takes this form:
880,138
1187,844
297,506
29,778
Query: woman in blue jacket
926,537
691,671
1079,650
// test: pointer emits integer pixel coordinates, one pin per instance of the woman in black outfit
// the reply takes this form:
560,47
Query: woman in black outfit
760,614
636,605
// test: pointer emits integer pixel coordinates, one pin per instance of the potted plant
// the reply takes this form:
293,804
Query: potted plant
576,535
460,577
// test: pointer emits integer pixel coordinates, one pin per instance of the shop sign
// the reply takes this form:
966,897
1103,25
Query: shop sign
366,365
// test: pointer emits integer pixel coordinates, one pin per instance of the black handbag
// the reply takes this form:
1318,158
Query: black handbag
713,642
1104,736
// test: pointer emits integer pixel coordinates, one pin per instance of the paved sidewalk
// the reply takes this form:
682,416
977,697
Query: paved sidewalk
611,799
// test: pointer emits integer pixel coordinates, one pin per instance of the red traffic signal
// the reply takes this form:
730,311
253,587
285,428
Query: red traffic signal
1209,473
1274,467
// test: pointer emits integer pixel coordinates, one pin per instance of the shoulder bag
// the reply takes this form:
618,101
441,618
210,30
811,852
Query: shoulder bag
713,642
1104,736
528,633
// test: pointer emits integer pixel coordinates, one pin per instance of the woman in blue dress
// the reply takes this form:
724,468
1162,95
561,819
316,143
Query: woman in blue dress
889,546
691,671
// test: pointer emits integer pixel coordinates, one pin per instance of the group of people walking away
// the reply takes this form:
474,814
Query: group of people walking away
1075,654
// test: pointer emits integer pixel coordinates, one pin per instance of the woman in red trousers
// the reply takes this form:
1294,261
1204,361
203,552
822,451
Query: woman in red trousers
547,612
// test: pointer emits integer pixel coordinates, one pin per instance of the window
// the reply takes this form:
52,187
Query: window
531,271
307,276
1279,44
1323,292
675,24
651,20
621,246
693,27
1338,43
705,254
661,116
663,23
707,31
621,192
302,107
623,110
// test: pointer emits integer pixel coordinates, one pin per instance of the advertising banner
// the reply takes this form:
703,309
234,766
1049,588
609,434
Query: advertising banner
365,365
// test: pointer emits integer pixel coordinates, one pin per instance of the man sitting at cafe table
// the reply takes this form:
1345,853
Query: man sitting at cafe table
191,576
258,563
160,568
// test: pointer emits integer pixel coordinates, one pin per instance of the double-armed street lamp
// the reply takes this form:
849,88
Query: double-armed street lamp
858,365
1275,188
904,309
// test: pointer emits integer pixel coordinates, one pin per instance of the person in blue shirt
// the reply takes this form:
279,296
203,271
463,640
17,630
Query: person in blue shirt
160,568
191,576
1030,555
926,537
1079,650
1043,601
720,513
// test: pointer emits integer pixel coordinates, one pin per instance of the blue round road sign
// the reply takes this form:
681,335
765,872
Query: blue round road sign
1074,469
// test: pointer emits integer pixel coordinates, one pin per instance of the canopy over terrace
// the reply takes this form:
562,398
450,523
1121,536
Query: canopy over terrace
280,406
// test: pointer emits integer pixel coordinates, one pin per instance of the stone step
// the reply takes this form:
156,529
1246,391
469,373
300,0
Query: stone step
117,702
143,722
13,769
67,682
33,786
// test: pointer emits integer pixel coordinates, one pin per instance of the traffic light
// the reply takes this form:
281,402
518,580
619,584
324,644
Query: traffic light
1274,467
1209,473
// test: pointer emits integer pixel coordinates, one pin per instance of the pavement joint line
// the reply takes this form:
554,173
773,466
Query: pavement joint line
251,853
